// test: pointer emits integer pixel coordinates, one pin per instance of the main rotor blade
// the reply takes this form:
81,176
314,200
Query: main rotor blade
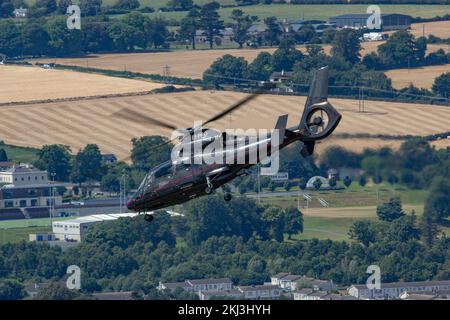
138,117
233,107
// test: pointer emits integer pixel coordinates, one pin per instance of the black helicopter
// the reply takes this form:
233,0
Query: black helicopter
175,182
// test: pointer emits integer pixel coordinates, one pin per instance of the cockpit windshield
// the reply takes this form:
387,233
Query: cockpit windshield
157,175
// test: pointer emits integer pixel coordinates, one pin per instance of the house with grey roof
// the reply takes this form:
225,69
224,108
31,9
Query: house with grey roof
395,289
257,292
198,285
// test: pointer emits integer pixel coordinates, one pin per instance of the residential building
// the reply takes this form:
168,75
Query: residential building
20,13
110,296
199,285
210,284
396,289
109,158
289,282
275,280
23,175
226,37
260,292
281,77
208,295
392,21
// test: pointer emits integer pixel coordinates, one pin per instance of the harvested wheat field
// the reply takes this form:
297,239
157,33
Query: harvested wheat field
188,64
439,29
420,77
441,144
76,123
20,84
357,144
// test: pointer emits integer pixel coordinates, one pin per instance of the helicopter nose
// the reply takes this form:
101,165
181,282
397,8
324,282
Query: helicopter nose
130,205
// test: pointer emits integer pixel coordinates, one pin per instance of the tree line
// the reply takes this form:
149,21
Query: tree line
347,69
37,37
219,239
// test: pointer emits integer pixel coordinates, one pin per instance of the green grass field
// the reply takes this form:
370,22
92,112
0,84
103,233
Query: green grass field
15,235
20,154
321,12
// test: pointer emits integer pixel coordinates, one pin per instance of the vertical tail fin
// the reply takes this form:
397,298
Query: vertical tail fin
318,92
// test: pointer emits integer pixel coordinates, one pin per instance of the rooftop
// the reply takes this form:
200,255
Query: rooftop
208,281
99,217
407,284
258,287
364,15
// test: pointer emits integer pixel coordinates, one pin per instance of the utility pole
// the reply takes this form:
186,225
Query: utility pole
52,197
166,73
123,192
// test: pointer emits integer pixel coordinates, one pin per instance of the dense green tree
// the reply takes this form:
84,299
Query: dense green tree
10,43
286,56
317,183
415,154
62,41
328,35
429,228
88,164
363,232
337,157
180,5
347,181
362,180
110,183
6,8
260,68
273,218
306,34
11,290
127,4
3,155
438,202
90,7
45,7
390,210
273,32
123,36
189,26
55,159
346,45
57,291
63,5
95,35
34,38
210,21
241,23
158,32
401,50
441,85
150,151
302,183
227,69
293,221
332,182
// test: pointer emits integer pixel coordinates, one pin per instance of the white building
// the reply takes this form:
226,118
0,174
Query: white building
199,285
75,229
23,175
20,13
395,290
260,292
